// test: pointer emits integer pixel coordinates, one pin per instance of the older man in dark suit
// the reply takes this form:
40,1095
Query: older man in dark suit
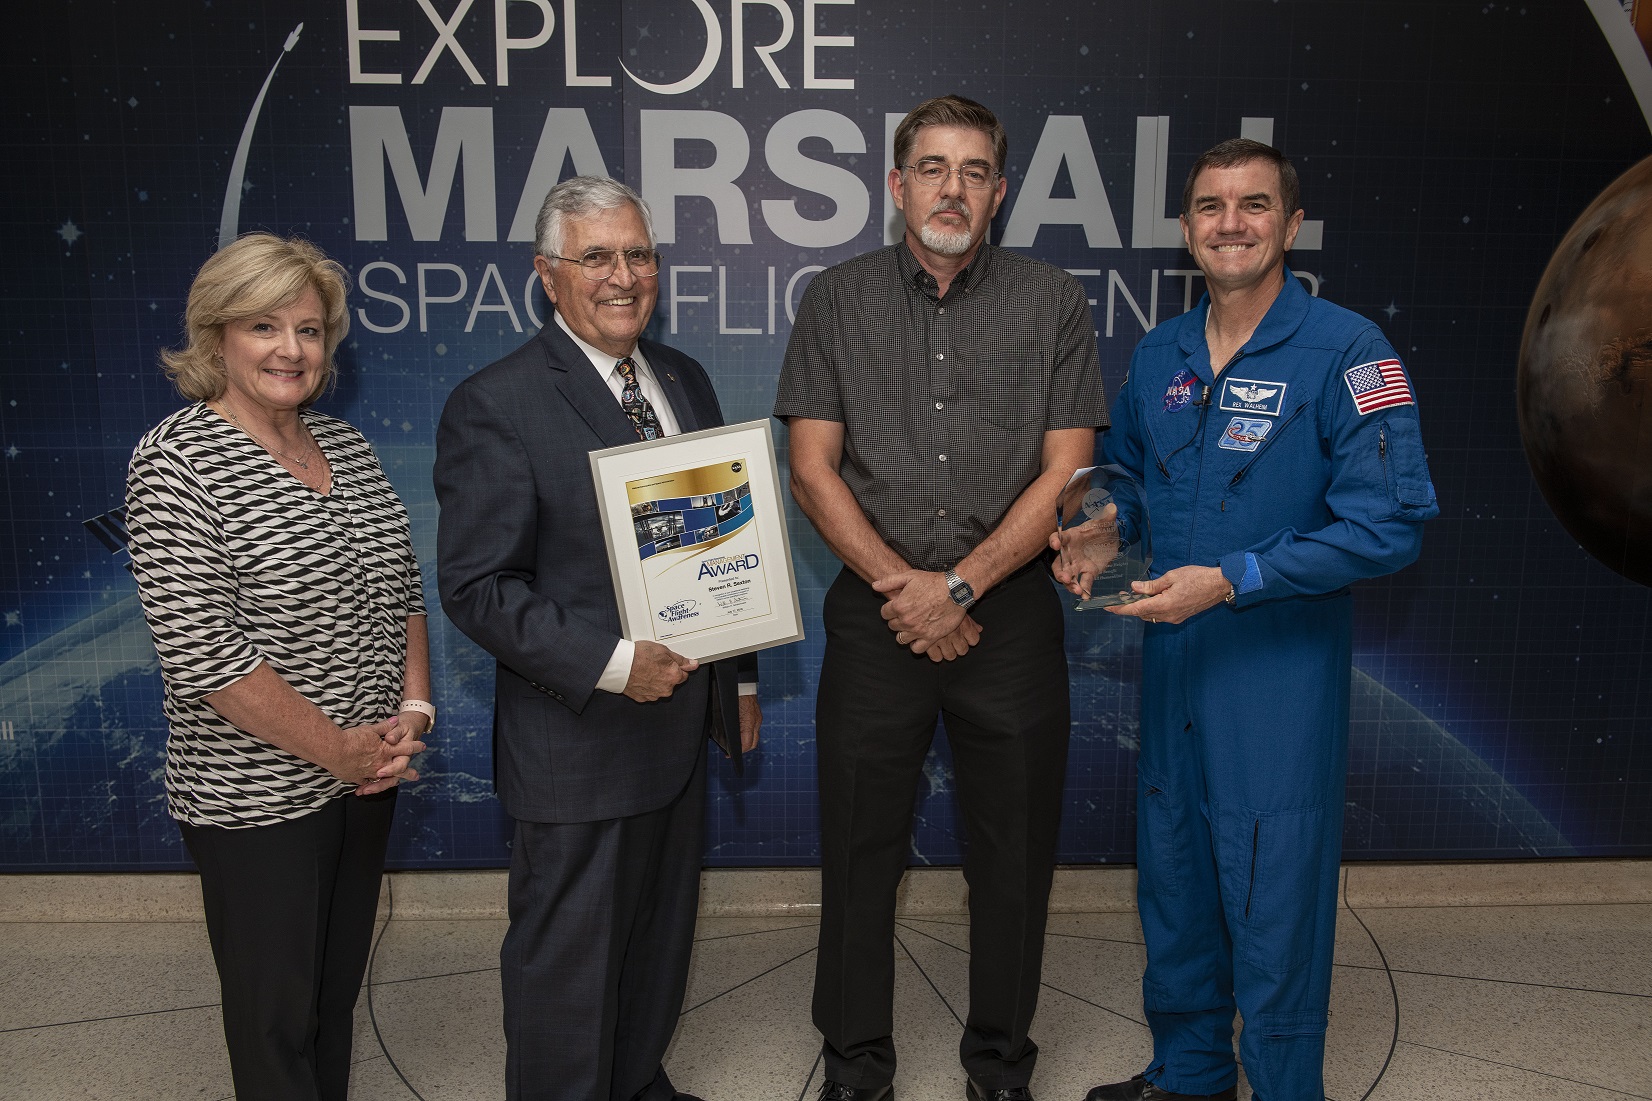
599,742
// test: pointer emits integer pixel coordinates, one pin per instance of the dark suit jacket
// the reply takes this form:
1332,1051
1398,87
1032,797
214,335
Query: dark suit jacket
523,570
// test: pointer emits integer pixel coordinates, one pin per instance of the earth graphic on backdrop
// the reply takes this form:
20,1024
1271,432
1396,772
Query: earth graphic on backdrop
91,760
1585,378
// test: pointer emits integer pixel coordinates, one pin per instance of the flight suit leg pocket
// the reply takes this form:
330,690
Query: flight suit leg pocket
1161,819
1281,891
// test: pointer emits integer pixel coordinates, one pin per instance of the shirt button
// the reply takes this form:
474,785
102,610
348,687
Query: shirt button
940,355
941,457
940,405
941,310
940,512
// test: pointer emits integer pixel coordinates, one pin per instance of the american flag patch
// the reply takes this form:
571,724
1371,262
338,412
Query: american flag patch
1378,385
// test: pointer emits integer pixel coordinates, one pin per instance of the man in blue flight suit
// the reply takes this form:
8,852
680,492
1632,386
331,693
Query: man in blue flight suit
1276,441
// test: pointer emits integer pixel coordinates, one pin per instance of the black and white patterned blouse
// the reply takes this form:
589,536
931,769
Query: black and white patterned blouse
239,562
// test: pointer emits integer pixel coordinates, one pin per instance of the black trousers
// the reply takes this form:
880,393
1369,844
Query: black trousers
289,911
1007,715
595,962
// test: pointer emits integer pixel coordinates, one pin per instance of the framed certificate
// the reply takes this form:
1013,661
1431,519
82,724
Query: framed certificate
697,541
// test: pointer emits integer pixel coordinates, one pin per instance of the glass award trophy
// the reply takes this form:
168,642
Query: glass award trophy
1105,539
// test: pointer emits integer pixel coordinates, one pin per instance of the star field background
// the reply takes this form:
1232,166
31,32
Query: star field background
1503,695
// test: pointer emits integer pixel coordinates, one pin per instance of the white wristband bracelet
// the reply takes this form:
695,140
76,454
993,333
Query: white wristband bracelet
423,707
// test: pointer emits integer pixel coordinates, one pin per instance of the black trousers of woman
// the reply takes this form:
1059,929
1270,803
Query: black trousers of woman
289,911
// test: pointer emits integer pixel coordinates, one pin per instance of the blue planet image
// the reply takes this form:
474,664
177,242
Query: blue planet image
86,788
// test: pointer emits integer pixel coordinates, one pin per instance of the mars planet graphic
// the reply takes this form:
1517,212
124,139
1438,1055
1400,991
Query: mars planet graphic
1585,378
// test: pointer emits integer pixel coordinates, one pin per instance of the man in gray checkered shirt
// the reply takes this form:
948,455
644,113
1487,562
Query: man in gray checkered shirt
939,393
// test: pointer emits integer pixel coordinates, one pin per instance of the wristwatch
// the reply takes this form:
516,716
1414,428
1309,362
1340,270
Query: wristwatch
423,707
962,594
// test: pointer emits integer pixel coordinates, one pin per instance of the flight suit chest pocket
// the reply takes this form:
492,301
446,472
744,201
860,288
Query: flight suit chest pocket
1174,436
1246,440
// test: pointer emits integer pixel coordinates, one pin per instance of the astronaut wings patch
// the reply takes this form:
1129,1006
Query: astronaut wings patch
1380,384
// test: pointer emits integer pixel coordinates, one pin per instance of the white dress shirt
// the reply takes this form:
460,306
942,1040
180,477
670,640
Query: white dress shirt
618,670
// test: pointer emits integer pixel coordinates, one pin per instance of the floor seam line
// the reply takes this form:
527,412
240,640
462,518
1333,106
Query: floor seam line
756,933
427,978
925,974
1524,1070
111,1017
1092,1005
1097,940
936,939
1505,982
94,921
1459,905
746,982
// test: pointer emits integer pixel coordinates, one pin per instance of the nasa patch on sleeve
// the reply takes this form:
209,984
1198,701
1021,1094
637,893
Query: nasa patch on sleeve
1248,395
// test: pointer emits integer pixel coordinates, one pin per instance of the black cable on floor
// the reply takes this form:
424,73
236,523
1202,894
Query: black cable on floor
804,1092
1394,992
389,890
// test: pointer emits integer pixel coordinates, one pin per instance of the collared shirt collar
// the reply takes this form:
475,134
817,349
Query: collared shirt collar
647,381
914,274
601,360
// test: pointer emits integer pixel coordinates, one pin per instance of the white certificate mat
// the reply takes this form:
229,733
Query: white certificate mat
697,541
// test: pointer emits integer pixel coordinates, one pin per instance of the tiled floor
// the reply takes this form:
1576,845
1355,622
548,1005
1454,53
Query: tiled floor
1484,993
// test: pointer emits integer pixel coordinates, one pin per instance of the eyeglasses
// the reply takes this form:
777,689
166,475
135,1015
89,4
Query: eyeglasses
934,174
600,263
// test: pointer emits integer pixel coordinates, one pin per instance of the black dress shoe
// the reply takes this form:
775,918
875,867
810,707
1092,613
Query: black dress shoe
1140,1089
837,1091
977,1092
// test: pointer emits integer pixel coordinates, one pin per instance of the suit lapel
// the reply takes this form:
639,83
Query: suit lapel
670,377
584,388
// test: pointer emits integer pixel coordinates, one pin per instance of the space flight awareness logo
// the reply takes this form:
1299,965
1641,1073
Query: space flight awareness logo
679,611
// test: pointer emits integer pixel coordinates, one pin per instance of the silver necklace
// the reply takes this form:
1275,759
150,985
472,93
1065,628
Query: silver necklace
230,413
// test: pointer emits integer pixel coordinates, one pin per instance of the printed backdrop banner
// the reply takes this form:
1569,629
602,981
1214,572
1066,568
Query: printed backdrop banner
1501,699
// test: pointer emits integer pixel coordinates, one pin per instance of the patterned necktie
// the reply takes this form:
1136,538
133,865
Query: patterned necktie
635,405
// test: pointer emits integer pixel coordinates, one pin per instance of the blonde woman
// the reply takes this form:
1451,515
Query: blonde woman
278,580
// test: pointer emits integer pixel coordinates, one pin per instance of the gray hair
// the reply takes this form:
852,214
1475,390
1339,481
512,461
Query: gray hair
577,197
951,110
